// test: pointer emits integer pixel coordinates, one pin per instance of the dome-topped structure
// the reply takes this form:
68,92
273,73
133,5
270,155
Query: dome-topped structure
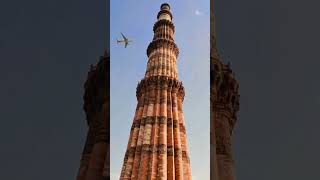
165,12
165,6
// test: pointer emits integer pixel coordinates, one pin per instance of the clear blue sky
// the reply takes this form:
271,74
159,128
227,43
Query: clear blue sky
136,19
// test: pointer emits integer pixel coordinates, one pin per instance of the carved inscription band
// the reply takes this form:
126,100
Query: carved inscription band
156,149
158,120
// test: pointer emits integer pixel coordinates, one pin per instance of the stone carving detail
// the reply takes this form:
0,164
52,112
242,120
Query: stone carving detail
160,81
153,151
163,22
95,157
156,149
158,43
224,102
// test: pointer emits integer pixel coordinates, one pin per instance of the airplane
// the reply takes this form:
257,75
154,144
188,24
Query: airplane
125,41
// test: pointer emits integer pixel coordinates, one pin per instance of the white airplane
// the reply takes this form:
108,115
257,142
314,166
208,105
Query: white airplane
125,40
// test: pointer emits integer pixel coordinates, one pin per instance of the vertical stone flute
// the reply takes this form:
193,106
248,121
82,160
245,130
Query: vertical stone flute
157,147
94,163
224,102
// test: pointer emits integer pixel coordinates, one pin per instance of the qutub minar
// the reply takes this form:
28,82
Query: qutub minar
157,147
95,158
224,105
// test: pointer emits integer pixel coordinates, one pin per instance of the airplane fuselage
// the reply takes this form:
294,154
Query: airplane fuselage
125,40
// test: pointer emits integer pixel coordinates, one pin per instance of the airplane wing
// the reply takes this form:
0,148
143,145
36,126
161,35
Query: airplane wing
123,36
126,45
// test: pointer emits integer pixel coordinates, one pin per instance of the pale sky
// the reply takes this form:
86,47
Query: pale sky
136,19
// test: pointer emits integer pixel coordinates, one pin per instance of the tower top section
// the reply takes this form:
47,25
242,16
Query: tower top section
165,12
165,6
162,52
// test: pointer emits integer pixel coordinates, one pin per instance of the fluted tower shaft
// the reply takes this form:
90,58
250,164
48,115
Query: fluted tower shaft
224,102
157,147
94,164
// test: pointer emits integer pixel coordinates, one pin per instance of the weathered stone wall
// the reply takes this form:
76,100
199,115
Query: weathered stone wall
94,163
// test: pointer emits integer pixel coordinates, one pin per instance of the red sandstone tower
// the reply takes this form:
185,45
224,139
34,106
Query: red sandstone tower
157,147
95,157
224,100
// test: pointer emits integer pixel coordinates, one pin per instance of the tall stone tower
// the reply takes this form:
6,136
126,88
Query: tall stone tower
95,157
157,147
224,102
